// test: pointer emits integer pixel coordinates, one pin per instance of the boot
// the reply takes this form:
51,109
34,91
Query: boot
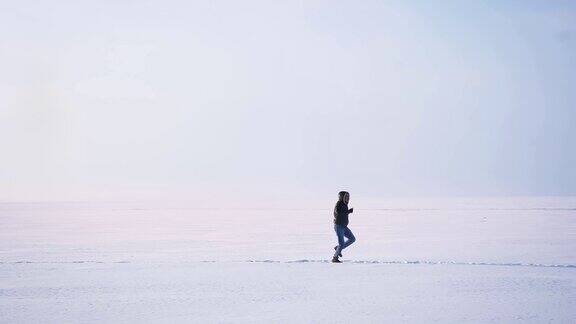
335,260
339,254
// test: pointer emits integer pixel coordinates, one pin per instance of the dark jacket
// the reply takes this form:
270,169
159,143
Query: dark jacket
341,212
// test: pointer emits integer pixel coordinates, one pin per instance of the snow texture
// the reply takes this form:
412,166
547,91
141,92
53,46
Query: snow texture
451,261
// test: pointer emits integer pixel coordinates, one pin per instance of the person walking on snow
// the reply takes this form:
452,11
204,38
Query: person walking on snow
341,212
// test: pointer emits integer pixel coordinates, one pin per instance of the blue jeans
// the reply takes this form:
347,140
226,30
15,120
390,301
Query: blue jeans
341,232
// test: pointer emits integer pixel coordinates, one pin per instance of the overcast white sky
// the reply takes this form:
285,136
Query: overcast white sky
127,99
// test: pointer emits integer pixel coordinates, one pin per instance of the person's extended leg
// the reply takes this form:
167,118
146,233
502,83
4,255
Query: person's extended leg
350,236
340,233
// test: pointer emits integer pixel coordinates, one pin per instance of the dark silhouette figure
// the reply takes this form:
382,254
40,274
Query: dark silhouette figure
341,212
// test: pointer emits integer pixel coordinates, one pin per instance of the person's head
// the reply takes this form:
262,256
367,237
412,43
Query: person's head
344,196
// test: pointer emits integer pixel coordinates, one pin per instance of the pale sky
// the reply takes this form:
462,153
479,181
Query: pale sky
111,99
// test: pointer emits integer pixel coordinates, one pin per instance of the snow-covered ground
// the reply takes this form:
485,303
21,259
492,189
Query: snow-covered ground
453,260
